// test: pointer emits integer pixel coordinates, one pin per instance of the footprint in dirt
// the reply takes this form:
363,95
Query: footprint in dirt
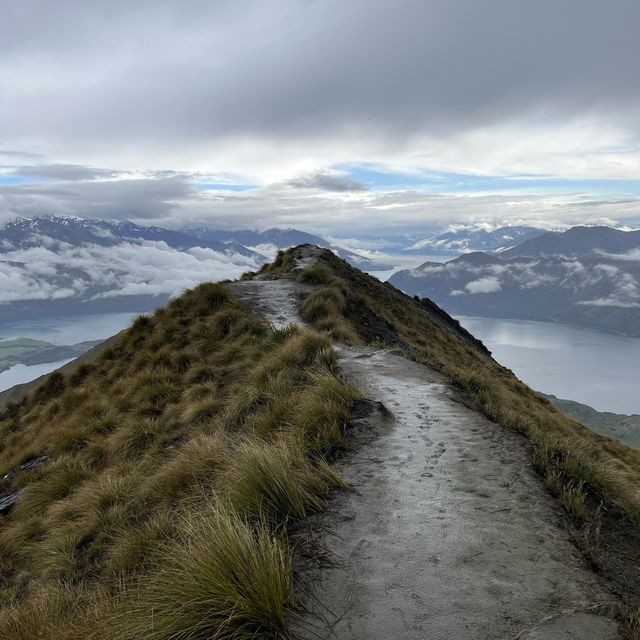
439,452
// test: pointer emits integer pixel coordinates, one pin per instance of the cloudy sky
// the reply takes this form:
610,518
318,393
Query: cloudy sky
346,117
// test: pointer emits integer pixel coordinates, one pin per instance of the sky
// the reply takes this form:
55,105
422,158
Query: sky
358,118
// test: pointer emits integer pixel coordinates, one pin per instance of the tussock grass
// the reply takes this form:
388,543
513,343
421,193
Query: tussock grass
223,579
318,273
276,481
325,310
176,462
283,263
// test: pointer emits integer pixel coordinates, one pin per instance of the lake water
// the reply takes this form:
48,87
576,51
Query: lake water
593,367
58,331
69,330
20,373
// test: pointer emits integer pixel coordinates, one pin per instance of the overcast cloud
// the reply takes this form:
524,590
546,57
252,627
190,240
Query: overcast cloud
150,110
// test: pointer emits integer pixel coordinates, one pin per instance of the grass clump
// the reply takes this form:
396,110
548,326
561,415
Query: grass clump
223,579
284,262
325,310
276,481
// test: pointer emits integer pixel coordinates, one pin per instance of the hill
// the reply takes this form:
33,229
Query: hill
27,351
625,428
596,292
163,490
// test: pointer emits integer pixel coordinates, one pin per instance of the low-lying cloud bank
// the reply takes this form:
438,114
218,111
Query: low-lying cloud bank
92,271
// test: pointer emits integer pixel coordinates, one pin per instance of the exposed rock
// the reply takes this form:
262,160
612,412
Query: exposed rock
7,502
27,466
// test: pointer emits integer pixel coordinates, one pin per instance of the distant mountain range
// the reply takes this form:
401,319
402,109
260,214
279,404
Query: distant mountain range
467,239
587,276
579,242
67,266
268,242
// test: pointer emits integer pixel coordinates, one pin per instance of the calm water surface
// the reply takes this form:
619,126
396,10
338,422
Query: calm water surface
592,367
58,331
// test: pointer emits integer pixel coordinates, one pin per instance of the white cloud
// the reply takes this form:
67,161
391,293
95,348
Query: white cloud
125,269
489,284
630,256
610,302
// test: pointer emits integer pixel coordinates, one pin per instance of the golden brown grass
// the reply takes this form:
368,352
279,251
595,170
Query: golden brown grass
176,462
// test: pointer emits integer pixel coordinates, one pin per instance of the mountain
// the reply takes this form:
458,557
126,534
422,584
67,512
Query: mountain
52,231
52,266
578,242
59,266
465,240
268,242
594,292
279,238
170,486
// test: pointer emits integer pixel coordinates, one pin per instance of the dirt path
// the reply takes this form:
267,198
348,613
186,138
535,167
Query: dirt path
446,532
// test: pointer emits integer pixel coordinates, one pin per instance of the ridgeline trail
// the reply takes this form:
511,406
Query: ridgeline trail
445,531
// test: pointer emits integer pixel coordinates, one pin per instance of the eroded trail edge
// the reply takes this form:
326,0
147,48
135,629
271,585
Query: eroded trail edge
445,531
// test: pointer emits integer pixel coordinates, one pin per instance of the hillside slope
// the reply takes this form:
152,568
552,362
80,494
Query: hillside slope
146,494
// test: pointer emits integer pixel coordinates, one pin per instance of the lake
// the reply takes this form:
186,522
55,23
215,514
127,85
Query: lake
68,330
596,368
58,331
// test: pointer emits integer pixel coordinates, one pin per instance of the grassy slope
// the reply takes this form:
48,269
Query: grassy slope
177,460
596,478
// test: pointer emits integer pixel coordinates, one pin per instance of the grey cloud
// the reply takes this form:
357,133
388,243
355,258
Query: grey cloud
326,181
113,199
20,155
63,172
202,71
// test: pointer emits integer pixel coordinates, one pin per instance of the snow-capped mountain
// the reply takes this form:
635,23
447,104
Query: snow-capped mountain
268,242
54,230
467,239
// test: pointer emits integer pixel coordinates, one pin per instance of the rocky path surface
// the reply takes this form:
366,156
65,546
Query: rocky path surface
445,533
